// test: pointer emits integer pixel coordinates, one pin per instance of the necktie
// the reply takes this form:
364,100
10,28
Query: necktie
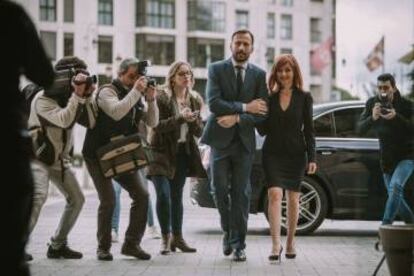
239,79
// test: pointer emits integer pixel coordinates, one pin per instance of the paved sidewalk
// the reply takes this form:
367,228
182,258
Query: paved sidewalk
338,248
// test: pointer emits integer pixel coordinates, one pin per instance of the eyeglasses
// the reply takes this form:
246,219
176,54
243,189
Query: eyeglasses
184,73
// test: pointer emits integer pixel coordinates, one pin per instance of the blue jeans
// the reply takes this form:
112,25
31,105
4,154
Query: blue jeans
395,184
117,210
170,196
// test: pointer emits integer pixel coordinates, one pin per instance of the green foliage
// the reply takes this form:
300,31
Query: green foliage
411,76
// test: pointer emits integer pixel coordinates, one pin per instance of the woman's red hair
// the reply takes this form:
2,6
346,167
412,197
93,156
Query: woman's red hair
280,61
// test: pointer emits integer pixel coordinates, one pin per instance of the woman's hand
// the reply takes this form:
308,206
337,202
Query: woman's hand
312,167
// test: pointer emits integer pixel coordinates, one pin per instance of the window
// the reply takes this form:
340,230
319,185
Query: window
323,126
270,56
68,11
206,15
286,3
104,49
286,51
68,44
242,20
286,26
47,10
105,11
315,30
200,87
201,51
103,79
156,13
271,25
160,49
49,43
346,122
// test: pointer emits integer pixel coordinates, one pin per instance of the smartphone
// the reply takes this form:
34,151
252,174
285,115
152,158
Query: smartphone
196,113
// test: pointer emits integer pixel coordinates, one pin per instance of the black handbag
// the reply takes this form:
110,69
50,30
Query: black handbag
124,154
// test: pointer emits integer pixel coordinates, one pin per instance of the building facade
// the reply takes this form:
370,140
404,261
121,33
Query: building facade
103,32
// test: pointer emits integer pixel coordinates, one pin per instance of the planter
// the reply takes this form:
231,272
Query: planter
398,245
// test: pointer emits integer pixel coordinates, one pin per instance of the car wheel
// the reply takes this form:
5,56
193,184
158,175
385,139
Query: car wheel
313,207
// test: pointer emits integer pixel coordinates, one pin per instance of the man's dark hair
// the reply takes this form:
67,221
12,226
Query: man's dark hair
387,77
243,31
70,62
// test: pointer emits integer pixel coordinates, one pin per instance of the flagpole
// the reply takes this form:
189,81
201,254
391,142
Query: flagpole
383,54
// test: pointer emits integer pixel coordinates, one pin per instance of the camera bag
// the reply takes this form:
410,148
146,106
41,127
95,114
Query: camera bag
124,154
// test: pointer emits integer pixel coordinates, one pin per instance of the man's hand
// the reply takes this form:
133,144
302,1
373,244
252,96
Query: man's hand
150,93
227,121
140,84
312,167
390,115
257,106
376,111
79,89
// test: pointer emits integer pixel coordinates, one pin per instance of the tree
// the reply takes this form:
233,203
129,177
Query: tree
411,76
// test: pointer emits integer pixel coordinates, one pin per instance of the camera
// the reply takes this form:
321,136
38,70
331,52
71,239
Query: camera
62,85
142,70
385,103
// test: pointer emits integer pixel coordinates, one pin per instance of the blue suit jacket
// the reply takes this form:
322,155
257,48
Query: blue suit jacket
222,100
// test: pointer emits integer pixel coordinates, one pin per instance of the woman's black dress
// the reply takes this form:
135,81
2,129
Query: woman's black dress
290,142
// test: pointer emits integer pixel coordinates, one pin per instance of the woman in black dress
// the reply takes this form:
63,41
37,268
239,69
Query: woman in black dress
289,148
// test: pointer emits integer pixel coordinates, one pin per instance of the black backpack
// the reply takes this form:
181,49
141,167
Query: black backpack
29,92
42,147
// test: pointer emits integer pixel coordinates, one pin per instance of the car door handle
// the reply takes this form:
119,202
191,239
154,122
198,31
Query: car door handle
327,150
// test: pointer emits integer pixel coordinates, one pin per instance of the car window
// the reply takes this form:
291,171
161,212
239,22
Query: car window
323,126
346,121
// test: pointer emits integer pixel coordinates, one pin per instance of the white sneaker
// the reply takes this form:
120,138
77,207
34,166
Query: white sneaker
152,231
114,236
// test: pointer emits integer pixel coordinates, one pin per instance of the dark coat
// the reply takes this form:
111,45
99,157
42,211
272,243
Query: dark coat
396,136
163,138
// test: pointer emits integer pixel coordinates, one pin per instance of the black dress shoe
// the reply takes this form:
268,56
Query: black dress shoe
227,250
134,250
239,255
63,252
104,255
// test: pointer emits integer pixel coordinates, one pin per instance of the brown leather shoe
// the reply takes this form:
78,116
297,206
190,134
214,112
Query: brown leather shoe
178,241
165,244
134,250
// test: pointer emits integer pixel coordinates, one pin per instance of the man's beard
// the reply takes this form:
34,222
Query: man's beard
240,58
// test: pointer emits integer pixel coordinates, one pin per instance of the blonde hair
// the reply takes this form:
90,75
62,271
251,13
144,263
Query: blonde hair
169,80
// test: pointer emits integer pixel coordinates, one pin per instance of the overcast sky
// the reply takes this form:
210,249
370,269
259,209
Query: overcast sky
360,26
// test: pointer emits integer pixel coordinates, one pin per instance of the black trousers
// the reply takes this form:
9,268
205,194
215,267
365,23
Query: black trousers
16,206
139,206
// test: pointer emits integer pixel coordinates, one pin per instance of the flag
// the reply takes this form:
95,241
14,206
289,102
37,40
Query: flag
375,59
322,55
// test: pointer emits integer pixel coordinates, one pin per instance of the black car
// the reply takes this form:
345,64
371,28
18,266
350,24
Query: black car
348,184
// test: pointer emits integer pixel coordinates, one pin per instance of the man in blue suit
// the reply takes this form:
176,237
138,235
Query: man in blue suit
236,93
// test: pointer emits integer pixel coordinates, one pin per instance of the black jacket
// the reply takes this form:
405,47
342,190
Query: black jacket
289,132
396,136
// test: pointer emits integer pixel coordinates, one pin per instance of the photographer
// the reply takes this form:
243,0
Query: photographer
120,109
392,118
53,118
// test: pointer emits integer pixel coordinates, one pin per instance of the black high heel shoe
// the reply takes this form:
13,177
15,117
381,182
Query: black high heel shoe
290,255
276,257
